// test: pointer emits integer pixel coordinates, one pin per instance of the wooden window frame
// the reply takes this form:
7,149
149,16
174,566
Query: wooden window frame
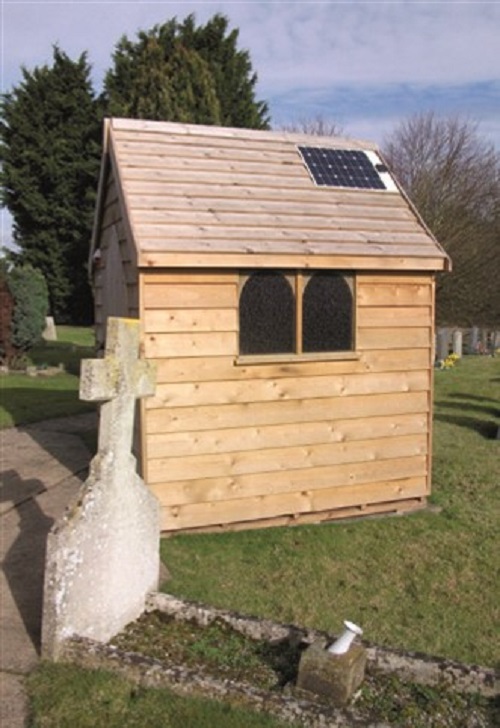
298,278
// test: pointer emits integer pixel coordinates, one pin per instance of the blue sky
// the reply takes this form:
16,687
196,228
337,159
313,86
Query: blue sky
364,65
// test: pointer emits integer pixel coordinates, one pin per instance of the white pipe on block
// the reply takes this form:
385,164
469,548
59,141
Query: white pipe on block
342,644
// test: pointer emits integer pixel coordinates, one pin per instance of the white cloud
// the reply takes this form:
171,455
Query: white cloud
291,43
305,53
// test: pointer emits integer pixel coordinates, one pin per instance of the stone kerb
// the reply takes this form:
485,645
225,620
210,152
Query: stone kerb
103,555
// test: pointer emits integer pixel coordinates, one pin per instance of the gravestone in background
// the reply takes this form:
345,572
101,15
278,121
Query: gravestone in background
50,332
442,344
103,555
457,343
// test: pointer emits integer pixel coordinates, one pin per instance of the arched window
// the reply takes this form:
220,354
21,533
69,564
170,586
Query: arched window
327,313
267,314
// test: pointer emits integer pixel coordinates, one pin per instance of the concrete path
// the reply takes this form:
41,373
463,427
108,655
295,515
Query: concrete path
42,468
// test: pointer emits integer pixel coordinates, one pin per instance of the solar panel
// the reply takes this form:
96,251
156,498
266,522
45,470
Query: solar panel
343,168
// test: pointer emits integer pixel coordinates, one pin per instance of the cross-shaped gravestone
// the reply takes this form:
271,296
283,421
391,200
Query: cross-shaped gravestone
103,555
117,380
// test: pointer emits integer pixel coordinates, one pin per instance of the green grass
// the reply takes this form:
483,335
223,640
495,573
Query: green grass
426,582
25,399
63,696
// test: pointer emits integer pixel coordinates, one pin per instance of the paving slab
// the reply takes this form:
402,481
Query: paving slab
43,467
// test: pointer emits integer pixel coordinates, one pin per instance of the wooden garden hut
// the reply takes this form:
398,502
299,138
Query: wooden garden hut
285,288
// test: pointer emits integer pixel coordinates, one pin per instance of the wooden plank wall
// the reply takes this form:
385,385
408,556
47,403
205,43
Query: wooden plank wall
229,443
112,229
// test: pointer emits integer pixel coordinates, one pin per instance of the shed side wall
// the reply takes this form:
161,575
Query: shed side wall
228,443
116,249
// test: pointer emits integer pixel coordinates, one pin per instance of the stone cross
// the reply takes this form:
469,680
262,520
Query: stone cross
103,556
117,380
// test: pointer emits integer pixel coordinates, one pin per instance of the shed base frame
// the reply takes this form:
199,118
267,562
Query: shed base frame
388,508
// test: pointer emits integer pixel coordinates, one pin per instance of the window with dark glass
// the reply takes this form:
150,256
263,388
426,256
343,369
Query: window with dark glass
267,314
327,313
296,312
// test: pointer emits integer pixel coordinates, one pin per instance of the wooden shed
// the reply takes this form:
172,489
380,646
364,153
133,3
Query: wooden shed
285,287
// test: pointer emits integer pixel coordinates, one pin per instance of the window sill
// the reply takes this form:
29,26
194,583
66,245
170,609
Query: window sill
246,359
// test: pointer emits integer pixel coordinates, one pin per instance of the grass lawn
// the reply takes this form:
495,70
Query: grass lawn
25,399
63,696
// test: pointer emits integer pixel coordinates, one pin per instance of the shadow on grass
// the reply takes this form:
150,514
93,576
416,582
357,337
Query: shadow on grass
485,428
459,408
470,397
24,561
25,404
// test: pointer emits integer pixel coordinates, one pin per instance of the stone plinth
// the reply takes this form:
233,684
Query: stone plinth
335,677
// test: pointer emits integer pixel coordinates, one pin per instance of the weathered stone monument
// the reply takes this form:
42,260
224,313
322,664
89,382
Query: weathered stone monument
442,344
474,340
457,343
103,555
50,331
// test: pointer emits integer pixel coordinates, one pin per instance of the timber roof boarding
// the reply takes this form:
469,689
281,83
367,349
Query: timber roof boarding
203,196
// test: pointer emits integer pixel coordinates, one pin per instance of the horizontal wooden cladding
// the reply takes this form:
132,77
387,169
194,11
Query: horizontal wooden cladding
220,343
179,296
391,294
166,164
301,499
149,260
157,236
294,219
259,178
384,316
198,344
222,368
157,151
192,319
193,419
153,131
188,278
286,459
293,388
180,444
365,510
253,193
299,503
393,338
286,249
229,487
395,277
188,203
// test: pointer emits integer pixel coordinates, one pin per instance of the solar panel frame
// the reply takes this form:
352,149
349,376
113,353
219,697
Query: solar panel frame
348,168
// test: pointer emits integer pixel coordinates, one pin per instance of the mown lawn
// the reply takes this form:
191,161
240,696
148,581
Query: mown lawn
25,399
63,696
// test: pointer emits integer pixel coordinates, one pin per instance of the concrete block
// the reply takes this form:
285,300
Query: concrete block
335,677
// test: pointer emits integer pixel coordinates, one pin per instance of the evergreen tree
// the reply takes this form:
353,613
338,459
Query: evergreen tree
29,292
231,70
180,72
49,149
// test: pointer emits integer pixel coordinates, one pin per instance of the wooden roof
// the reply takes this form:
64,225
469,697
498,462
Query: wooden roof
203,195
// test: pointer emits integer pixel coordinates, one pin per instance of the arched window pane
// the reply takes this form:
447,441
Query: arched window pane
267,315
327,314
